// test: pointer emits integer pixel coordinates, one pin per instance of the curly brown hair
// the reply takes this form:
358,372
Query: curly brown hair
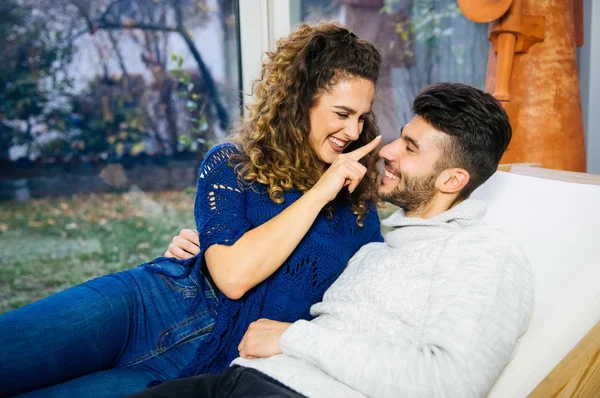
274,137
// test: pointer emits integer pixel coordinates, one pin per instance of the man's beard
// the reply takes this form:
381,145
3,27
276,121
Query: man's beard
416,194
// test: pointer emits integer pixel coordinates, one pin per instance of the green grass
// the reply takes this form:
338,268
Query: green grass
51,244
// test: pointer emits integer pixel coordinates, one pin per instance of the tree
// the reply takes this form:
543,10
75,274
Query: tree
39,40
30,70
151,17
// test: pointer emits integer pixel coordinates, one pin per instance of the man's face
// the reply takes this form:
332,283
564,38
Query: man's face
409,178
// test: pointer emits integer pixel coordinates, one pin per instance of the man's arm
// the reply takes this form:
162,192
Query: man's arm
184,246
480,304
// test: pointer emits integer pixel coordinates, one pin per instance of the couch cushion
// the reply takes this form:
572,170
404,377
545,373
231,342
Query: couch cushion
558,225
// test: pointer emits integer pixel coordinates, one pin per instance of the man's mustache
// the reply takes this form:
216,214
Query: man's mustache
388,165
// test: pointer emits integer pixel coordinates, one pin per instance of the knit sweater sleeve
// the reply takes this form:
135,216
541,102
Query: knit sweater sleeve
220,206
480,303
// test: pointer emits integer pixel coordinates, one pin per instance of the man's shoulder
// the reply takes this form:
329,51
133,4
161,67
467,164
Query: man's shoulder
484,238
485,241
481,233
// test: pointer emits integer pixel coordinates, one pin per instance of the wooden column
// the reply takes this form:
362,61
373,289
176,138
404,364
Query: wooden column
532,70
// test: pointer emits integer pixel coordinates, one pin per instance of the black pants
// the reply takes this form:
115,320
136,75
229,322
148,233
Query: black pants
235,382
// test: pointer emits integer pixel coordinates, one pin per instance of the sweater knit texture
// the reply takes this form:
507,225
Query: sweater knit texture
225,210
435,311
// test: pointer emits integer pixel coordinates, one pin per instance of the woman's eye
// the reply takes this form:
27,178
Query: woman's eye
342,115
408,149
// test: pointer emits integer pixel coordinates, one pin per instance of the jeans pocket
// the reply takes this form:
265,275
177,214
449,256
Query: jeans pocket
194,327
198,325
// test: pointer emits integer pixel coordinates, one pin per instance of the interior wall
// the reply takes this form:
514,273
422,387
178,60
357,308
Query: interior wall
589,80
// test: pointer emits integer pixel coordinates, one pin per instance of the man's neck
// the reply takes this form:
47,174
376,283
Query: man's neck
437,206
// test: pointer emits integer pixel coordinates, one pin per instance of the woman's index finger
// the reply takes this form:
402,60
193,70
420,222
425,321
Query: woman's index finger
361,152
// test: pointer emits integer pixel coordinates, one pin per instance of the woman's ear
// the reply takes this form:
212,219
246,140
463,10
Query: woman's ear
453,180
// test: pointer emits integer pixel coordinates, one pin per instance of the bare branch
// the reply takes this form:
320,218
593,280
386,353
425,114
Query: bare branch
209,82
134,25
109,9
115,45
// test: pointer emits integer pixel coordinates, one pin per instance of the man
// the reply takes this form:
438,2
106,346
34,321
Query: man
435,310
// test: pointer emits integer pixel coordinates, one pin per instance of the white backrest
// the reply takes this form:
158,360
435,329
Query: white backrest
558,225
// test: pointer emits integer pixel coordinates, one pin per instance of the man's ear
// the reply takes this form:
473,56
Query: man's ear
452,180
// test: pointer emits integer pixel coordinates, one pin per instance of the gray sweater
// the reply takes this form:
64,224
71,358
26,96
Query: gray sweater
435,311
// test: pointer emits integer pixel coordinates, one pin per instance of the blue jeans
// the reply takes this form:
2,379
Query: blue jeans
108,337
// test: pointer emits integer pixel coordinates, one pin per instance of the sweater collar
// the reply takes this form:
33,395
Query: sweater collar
404,229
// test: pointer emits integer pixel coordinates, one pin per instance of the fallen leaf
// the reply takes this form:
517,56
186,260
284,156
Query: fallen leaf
143,245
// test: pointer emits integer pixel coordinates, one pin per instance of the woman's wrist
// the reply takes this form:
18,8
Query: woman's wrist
316,198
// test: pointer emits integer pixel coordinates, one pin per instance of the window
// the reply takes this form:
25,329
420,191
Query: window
422,42
106,110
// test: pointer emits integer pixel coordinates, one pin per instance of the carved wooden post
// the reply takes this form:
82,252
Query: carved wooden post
532,70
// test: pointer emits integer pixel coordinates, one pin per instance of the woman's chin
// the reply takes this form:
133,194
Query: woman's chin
328,156
326,159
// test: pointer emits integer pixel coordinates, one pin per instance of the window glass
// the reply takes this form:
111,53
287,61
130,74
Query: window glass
422,42
106,110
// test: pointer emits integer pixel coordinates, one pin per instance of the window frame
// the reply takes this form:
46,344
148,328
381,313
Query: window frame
261,23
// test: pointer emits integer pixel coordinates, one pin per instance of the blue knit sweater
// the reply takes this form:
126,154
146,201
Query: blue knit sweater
224,210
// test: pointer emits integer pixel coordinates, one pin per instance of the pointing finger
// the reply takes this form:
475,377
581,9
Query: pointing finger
361,152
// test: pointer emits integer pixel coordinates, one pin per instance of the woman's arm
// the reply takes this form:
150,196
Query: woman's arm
237,268
261,251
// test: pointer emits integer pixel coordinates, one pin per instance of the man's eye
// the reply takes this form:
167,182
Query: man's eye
342,115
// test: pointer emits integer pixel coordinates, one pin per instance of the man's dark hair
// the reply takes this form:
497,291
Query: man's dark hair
478,128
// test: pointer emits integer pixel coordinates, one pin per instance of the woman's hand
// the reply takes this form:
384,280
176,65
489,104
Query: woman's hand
185,245
262,339
344,171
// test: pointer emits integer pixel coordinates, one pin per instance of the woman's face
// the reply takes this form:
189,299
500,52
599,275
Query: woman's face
338,117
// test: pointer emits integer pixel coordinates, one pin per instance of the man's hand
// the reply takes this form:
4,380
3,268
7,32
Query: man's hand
262,339
185,245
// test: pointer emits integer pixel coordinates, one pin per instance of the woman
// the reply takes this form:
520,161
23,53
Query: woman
276,229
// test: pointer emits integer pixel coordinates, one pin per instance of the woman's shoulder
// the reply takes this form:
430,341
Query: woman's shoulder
216,163
368,223
218,156
372,215
221,152
371,224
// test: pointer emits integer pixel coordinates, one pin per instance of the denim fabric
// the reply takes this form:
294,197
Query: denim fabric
107,337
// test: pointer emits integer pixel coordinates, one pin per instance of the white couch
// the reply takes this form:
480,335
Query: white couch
558,225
